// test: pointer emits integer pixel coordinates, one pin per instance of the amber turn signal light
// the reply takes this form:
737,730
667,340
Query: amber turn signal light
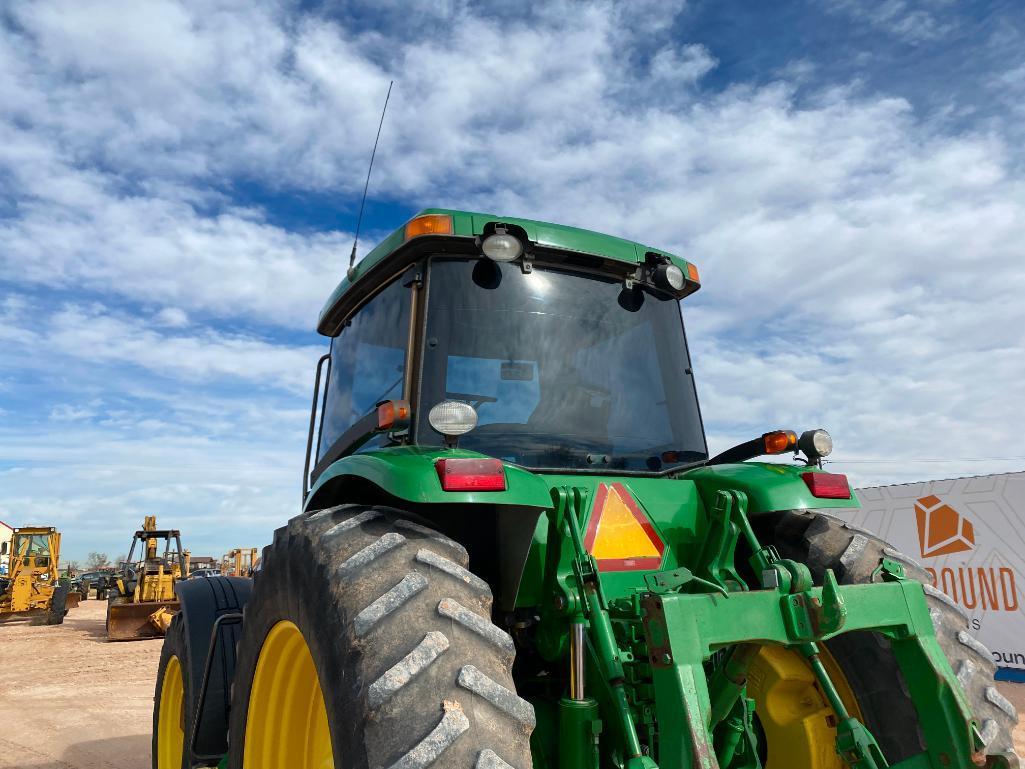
429,224
779,441
692,272
393,415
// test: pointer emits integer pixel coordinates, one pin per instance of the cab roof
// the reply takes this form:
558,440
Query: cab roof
470,225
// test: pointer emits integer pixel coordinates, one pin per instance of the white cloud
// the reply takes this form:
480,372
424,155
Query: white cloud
912,21
64,412
684,65
96,486
79,335
171,317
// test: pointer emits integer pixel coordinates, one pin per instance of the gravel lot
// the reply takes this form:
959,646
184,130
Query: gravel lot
71,700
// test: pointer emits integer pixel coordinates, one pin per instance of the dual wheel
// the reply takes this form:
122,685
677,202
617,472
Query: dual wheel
386,613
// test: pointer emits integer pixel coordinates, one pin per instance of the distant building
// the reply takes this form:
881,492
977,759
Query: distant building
6,534
202,562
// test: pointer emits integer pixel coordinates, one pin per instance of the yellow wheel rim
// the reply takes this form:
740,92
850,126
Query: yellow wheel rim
171,717
798,722
286,726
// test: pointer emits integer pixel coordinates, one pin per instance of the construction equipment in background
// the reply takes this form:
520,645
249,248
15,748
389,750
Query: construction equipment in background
32,589
100,580
142,600
239,562
76,585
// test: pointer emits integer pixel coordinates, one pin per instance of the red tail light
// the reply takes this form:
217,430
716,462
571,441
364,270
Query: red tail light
471,474
827,485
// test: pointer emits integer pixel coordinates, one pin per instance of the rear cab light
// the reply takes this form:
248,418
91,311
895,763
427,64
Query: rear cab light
827,485
471,474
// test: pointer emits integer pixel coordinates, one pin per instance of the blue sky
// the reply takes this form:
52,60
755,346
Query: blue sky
179,182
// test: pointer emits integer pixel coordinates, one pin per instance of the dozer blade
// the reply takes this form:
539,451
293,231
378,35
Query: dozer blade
129,621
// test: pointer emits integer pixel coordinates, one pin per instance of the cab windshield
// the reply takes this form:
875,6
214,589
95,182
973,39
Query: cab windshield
566,371
32,546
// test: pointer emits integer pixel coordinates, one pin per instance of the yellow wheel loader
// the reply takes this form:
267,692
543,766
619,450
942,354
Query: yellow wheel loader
32,590
143,601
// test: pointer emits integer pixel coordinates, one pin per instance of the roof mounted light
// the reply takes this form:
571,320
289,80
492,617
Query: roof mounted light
452,418
669,276
428,224
502,247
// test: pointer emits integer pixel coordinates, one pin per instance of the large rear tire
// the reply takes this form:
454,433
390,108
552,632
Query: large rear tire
866,659
372,626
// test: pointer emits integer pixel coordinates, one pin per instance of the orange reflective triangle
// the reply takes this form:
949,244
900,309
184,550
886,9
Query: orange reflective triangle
619,535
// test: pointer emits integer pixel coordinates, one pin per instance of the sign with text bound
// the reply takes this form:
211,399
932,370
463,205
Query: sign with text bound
969,534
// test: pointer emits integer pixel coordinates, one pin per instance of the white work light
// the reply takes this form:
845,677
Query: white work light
674,277
453,418
502,247
816,444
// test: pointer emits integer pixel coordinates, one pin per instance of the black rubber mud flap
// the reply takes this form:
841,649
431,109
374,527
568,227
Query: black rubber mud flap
213,603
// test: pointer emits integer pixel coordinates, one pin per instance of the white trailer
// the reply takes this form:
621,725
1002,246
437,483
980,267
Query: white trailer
969,534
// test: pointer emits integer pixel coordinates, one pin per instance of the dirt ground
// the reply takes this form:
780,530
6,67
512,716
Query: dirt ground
71,700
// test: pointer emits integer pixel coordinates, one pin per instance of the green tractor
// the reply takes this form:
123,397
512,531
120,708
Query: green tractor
515,551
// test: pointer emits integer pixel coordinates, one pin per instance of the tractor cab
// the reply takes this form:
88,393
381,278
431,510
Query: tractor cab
32,548
515,347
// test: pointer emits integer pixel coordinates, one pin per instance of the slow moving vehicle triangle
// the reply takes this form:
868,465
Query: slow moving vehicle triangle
619,535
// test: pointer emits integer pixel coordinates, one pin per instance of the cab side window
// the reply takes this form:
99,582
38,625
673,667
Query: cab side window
368,361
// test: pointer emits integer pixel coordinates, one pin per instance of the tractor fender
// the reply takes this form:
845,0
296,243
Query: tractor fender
209,604
408,474
496,527
768,486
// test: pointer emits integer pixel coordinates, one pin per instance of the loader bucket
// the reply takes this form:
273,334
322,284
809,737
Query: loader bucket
72,600
129,621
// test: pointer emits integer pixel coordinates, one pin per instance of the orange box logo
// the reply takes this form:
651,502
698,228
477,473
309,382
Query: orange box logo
941,529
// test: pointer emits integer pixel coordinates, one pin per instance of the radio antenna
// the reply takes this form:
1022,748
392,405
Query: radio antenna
352,257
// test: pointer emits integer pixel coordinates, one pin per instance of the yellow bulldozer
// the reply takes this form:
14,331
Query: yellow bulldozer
143,600
239,562
32,589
